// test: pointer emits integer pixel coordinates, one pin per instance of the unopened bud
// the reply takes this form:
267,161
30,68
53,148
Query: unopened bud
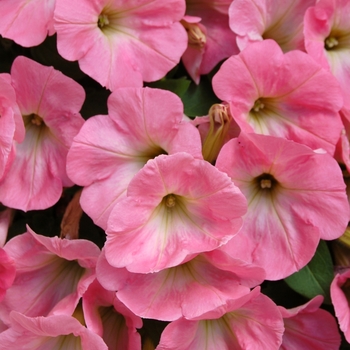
219,123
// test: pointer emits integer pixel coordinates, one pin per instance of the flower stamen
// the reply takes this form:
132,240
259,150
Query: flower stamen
170,200
102,21
196,36
265,183
331,43
258,105
36,120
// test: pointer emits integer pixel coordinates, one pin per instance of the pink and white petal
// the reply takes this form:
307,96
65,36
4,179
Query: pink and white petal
106,316
83,251
290,108
31,182
96,145
41,90
293,209
328,20
261,19
317,26
142,37
339,296
191,289
264,328
192,60
51,332
152,121
187,335
248,274
99,199
53,283
6,217
77,35
309,327
269,231
7,272
152,50
7,127
27,22
117,67
110,277
220,40
10,100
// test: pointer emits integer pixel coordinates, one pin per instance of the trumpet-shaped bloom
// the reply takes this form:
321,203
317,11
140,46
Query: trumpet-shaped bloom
292,202
210,40
340,291
49,103
106,316
190,289
248,323
327,39
121,43
176,206
308,327
27,22
11,123
54,332
286,95
282,21
54,272
109,150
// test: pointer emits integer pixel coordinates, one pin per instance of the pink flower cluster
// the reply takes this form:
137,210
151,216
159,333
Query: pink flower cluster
197,214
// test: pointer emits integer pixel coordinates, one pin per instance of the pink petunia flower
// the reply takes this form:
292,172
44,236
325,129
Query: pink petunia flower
308,327
54,332
27,22
173,209
282,21
327,39
121,43
109,150
340,291
11,123
190,289
210,38
54,272
49,103
291,201
248,323
106,316
286,95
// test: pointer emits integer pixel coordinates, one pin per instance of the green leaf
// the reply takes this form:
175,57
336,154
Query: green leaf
177,86
316,277
199,98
